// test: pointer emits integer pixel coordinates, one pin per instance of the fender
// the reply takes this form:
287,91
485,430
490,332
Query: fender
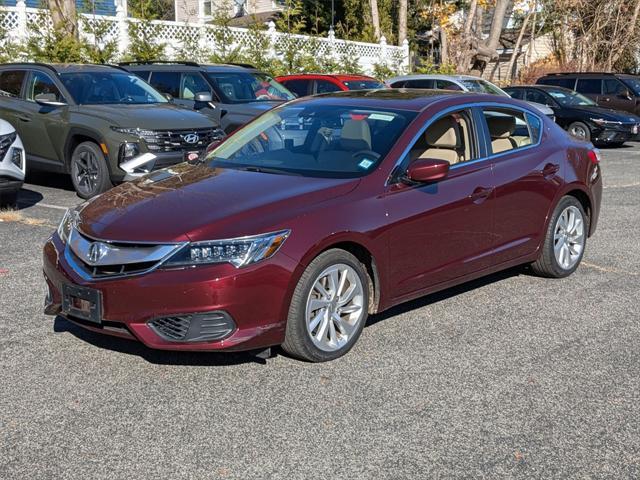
86,132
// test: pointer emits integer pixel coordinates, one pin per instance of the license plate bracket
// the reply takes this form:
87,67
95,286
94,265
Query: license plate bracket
83,303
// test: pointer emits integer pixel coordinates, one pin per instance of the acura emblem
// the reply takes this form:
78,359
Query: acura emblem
191,138
97,250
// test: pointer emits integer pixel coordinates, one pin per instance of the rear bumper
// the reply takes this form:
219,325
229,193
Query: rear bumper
255,298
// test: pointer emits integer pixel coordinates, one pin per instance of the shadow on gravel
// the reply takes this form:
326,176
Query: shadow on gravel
28,198
445,294
157,357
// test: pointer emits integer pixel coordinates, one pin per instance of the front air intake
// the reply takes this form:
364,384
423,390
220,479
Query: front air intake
197,327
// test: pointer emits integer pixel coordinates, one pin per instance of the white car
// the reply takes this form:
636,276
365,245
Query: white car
465,83
12,164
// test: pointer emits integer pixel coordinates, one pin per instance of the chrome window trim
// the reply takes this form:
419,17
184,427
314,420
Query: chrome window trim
468,106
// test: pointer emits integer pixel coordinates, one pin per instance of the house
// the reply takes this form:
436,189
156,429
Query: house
243,11
97,7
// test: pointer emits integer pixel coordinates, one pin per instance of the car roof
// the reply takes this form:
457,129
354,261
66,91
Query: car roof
435,76
588,74
337,76
64,67
539,86
170,66
413,99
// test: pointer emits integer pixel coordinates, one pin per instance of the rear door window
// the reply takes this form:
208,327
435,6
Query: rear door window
569,83
446,85
11,82
517,94
538,97
299,87
590,86
143,74
613,86
419,83
511,129
166,82
324,86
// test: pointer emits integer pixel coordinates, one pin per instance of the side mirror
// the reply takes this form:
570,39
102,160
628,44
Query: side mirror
49,100
168,96
203,97
427,170
626,94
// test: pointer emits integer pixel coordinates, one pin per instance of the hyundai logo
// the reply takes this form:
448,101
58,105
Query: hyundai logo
97,250
191,138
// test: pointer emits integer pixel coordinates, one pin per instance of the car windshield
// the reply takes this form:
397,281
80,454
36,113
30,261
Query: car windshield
241,87
567,98
109,87
482,86
330,141
363,84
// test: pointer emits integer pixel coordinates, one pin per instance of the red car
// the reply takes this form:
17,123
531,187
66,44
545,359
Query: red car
311,83
320,212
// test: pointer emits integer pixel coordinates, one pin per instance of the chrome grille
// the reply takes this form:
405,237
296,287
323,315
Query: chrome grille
181,140
94,259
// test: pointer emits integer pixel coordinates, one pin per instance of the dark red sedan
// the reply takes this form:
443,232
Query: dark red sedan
313,83
321,212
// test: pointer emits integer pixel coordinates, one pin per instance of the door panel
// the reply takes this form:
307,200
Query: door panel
42,127
613,96
440,231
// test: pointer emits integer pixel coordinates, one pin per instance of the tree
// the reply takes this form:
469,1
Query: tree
488,49
402,21
516,47
64,16
375,18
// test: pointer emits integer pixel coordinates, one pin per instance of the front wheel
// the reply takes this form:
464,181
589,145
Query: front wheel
565,240
580,130
329,307
89,172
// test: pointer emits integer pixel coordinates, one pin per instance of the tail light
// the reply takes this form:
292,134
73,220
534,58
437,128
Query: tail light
594,156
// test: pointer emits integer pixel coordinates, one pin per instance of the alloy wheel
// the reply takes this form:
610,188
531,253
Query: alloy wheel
578,131
334,307
569,237
84,168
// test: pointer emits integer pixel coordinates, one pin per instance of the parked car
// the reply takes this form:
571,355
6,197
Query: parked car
101,124
580,116
609,90
273,239
12,164
232,94
311,83
464,83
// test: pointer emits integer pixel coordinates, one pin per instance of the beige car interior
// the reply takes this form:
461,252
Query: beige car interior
501,128
446,139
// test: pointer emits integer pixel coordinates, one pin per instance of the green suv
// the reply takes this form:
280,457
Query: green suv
99,123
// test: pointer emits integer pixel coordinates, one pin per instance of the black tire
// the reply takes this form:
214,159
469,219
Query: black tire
8,199
547,265
298,341
580,127
89,171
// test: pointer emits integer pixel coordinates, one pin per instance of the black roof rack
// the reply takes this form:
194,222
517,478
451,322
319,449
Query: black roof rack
31,64
582,73
158,62
243,65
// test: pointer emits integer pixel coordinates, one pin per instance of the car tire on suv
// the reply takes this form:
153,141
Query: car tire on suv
329,307
89,171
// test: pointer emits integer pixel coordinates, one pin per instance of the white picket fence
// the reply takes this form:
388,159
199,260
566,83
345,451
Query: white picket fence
15,21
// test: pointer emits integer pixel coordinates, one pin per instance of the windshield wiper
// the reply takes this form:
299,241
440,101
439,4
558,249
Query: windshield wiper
277,171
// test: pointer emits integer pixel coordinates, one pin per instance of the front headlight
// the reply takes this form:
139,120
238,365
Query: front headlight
239,252
69,221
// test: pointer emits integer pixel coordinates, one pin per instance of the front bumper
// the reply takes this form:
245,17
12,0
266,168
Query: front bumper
12,174
256,298
615,134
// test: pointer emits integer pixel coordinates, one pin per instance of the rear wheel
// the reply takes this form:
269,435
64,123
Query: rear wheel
89,172
329,307
565,240
580,130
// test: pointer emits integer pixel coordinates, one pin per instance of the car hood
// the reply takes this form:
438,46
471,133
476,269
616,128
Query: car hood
159,116
605,113
196,203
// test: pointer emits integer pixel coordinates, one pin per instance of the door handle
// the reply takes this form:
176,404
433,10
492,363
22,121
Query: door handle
480,194
24,118
550,169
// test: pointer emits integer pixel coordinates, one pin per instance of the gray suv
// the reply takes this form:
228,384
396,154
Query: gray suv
233,94
101,124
